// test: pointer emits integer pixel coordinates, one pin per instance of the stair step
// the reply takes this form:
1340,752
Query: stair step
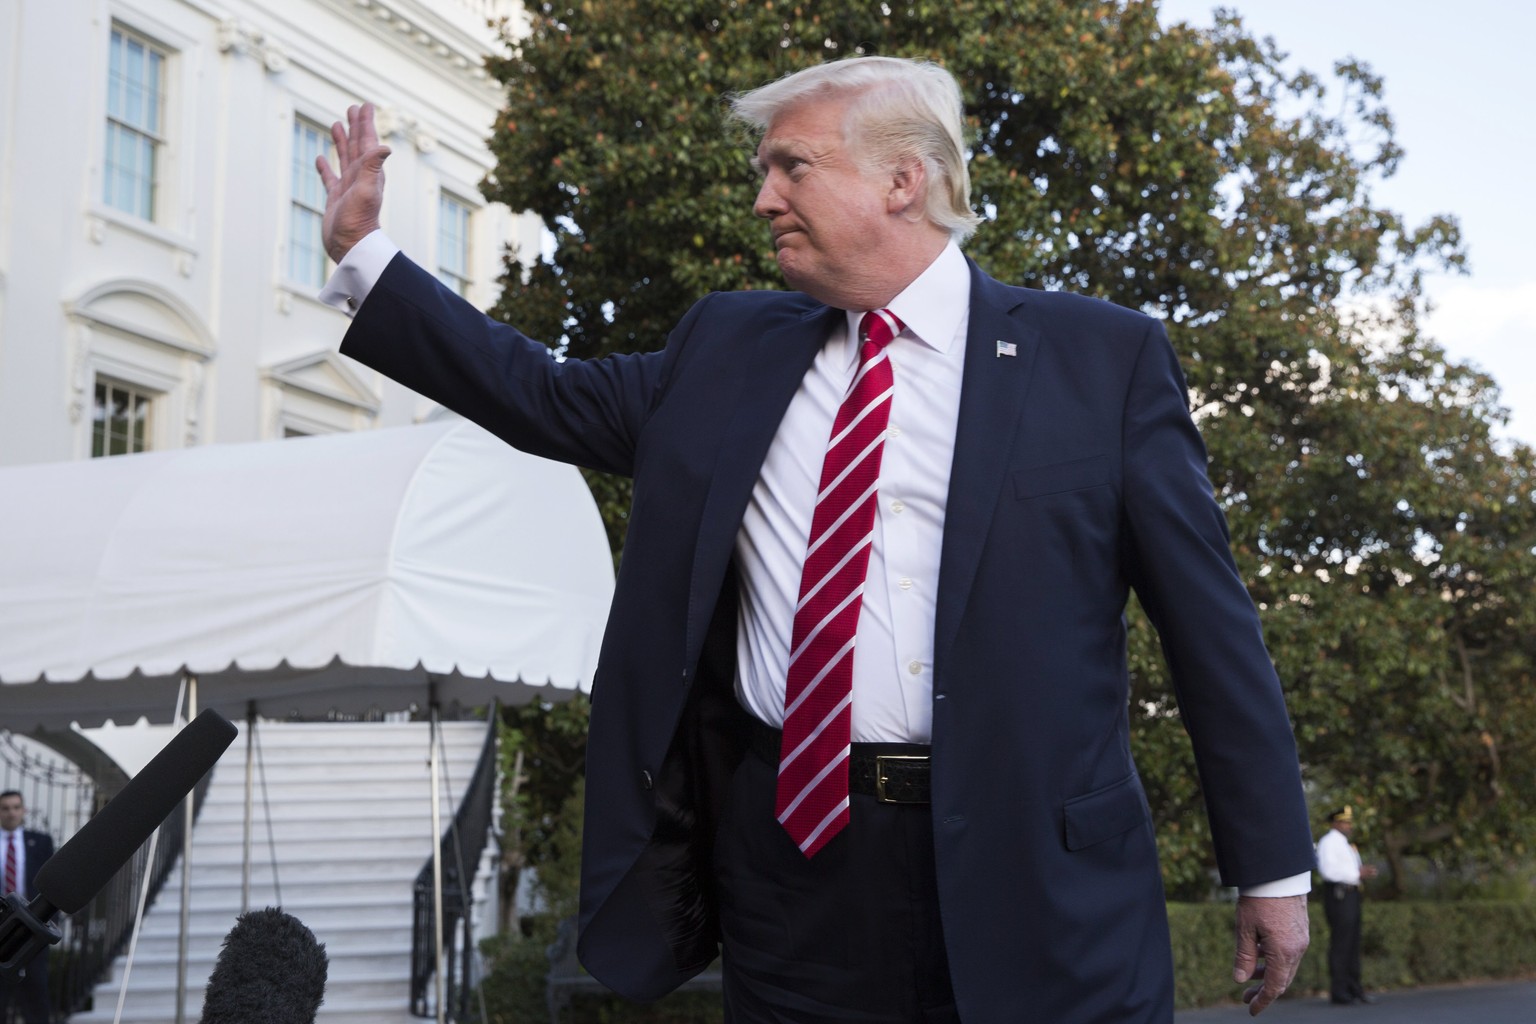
325,805
411,792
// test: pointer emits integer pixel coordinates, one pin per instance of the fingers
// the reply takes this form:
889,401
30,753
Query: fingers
367,136
1275,983
354,133
373,160
358,139
339,140
1245,962
1259,997
328,177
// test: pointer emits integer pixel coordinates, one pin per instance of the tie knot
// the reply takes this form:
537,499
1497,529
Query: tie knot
880,326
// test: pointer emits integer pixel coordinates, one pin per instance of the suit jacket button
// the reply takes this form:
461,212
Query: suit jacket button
646,780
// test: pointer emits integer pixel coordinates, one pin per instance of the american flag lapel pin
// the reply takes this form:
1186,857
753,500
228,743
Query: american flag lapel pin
1006,348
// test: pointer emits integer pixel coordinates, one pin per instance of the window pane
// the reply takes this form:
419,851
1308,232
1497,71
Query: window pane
453,243
115,76
152,91
306,255
146,179
306,250
134,72
119,420
99,423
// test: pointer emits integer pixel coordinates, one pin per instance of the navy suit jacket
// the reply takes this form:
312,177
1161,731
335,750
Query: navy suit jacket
1078,474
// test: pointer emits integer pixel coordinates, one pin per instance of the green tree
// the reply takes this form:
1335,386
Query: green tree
1385,536
542,749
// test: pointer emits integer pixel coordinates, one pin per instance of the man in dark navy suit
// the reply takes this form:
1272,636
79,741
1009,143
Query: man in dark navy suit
860,717
22,853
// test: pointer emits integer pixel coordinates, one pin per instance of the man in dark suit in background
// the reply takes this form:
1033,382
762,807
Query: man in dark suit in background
22,853
960,481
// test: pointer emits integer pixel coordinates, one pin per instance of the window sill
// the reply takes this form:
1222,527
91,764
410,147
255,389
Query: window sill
100,216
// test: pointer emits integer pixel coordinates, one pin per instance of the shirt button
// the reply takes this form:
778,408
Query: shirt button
904,583
898,505
915,667
893,432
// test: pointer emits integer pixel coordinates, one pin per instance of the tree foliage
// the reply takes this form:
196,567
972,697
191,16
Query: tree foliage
1385,535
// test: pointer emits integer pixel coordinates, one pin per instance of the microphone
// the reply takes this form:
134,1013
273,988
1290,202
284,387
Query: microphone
82,866
271,970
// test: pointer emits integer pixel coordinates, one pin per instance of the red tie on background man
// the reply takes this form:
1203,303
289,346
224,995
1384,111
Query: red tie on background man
812,796
10,864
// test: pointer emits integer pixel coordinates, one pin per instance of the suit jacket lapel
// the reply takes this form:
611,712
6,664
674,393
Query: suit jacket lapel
992,396
771,371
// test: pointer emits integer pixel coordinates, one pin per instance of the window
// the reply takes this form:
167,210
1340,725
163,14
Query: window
453,243
306,252
135,110
119,419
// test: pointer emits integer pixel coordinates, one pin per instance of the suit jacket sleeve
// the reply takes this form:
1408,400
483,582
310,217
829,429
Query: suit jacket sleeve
1179,561
586,412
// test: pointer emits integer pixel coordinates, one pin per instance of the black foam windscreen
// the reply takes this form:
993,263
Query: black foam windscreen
271,970
85,864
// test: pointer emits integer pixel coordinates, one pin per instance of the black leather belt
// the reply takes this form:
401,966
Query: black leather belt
892,773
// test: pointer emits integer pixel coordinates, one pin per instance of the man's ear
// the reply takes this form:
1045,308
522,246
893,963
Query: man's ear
909,188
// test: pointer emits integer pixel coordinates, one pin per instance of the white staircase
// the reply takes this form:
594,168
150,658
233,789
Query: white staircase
350,810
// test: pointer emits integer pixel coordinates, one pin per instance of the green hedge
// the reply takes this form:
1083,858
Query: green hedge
514,990
1402,944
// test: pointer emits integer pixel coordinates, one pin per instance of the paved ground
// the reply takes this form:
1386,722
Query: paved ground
1499,1003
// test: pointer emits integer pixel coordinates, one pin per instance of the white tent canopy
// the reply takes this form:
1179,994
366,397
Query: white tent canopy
353,571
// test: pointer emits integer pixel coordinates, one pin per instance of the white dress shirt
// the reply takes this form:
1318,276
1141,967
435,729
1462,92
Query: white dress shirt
893,648
1337,858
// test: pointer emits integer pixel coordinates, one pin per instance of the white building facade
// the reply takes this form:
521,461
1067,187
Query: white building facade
159,209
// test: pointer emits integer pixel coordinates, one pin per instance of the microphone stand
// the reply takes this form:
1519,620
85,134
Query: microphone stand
25,931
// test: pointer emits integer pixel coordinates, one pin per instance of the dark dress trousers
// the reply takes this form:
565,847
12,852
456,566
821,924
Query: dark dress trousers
1077,475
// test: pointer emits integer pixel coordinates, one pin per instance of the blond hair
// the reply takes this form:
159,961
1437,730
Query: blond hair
898,109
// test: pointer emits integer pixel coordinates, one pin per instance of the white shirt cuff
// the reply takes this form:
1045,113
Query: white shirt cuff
358,271
1296,885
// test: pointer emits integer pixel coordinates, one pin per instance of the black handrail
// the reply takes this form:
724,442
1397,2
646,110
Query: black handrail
460,850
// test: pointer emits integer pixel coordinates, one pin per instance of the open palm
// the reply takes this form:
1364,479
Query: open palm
354,193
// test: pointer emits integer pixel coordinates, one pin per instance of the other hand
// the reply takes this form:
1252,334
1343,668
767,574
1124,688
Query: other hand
354,193
1275,930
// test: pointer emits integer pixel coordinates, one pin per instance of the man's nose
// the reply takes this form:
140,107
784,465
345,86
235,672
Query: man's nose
768,203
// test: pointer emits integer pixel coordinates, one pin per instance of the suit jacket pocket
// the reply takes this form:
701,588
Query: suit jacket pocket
1061,476
1105,813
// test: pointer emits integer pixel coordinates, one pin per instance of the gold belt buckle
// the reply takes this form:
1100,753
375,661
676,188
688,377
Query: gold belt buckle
880,775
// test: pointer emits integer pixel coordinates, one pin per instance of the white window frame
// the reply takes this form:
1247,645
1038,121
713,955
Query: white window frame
459,278
116,126
151,399
301,173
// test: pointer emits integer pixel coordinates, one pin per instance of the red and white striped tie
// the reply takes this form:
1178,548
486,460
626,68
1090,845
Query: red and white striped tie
10,864
812,795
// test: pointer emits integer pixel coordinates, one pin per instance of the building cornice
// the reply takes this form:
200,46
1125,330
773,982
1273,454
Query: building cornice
456,34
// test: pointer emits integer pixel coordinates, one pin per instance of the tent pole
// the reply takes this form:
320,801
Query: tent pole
186,876
437,871
250,771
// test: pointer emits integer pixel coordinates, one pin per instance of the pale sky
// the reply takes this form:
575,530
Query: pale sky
1460,82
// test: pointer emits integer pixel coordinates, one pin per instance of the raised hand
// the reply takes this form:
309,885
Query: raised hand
354,194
